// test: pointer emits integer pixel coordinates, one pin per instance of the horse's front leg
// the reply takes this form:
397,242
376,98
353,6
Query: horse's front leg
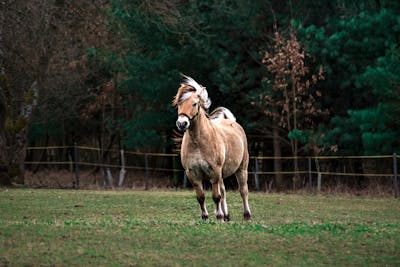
216,195
198,187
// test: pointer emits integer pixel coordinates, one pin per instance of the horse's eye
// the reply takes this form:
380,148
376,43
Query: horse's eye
194,104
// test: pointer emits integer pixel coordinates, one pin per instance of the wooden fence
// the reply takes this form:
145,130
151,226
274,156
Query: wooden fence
78,157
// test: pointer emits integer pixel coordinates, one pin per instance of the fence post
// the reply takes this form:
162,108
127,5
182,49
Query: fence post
319,181
256,180
122,171
185,180
146,164
103,177
395,183
76,157
110,178
309,175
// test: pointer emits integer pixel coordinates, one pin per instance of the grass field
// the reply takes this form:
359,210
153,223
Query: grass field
163,228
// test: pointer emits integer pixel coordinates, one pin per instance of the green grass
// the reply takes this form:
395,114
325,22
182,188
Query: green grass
163,228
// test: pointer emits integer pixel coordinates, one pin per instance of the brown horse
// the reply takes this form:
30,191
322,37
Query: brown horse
213,147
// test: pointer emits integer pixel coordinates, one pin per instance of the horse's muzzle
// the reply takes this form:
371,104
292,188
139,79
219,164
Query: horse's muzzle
182,123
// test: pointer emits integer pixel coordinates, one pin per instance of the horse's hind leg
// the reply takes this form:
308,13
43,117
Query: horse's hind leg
198,187
241,176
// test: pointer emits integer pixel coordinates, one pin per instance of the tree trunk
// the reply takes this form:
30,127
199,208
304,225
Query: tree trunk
280,184
13,139
18,165
4,177
296,176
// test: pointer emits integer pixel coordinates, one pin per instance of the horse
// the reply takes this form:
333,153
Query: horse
214,146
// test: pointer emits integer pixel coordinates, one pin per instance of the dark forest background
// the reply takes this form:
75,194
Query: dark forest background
302,77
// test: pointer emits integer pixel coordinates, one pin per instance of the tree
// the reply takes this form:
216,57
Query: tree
373,130
169,37
24,57
40,42
291,100
360,55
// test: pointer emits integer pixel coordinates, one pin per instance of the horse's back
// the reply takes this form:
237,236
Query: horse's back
232,128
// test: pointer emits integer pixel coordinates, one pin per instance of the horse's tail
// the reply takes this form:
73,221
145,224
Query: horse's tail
221,113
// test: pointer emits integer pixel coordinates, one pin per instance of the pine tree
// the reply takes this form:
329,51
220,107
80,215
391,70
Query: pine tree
360,55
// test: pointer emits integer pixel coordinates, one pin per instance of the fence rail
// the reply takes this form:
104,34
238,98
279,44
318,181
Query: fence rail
76,160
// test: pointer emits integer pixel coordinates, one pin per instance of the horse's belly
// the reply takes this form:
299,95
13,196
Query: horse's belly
234,156
230,166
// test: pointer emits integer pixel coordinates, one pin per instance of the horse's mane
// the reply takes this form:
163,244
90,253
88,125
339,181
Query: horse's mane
187,88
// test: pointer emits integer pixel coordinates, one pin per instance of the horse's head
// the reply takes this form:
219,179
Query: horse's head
190,98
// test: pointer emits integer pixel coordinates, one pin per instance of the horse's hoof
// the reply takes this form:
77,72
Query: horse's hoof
226,218
204,218
220,218
247,217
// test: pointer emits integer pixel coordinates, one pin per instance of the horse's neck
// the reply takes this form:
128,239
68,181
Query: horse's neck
202,131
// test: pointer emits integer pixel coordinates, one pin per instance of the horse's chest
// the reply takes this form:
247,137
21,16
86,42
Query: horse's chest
197,166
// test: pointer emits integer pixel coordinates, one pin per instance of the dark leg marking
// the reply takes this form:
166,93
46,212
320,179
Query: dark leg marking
226,218
201,200
247,216
216,199
220,217
204,217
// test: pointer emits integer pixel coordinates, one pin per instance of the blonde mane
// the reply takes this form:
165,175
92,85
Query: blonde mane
187,88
